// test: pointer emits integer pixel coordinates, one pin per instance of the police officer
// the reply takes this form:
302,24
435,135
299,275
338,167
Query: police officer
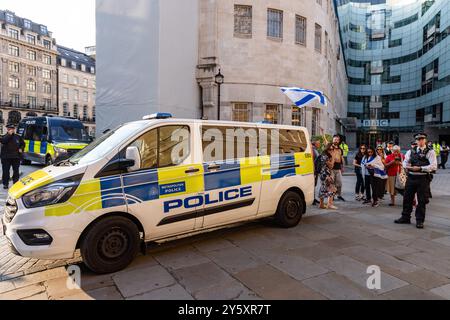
11,154
420,162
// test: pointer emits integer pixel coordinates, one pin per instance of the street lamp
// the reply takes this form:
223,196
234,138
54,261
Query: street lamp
219,79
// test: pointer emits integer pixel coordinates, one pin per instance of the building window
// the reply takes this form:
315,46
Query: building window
75,80
31,71
65,78
92,70
300,30
65,109
85,96
9,17
47,104
47,44
46,74
66,93
63,62
31,39
274,23
47,88
298,116
241,112
318,38
243,20
319,2
47,59
13,82
44,29
14,99
73,64
83,67
27,24
76,95
75,110
326,44
272,113
13,50
315,122
32,102
85,113
13,33
93,113
85,82
31,85
31,55
14,67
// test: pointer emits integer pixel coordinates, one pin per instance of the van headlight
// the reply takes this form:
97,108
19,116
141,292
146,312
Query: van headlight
58,192
60,151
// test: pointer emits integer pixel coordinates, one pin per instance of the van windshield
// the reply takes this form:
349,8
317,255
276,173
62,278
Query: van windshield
108,142
69,133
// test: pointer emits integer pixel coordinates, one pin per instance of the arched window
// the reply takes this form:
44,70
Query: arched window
66,112
13,82
31,85
75,111
14,117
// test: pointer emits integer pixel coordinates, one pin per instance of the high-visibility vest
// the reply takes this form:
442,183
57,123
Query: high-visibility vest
437,149
344,148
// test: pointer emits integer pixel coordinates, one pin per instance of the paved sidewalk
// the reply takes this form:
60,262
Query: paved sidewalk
325,257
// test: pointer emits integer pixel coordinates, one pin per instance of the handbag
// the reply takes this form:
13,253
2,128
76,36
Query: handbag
400,179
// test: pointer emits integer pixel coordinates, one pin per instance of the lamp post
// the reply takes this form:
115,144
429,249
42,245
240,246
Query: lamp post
219,79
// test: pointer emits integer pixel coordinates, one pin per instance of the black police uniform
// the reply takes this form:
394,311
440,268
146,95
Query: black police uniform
417,183
11,156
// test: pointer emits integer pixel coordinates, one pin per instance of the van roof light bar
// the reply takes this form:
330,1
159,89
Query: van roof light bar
158,115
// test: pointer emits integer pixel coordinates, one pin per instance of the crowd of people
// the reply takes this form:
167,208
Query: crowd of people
382,172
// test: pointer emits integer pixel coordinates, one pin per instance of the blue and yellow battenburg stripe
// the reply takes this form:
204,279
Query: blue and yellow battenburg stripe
144,186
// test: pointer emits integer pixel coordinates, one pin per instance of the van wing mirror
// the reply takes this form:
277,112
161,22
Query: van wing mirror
133,154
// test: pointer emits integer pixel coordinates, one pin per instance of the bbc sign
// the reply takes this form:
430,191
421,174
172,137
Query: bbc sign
375,123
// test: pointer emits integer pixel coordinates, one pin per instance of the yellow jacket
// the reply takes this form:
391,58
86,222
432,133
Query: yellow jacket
437,149
344,148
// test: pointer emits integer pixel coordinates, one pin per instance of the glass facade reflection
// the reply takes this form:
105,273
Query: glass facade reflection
398,63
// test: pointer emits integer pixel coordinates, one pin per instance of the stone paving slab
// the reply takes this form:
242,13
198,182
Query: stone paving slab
325,257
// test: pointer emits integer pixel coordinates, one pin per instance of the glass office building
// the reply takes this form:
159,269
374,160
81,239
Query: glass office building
398,62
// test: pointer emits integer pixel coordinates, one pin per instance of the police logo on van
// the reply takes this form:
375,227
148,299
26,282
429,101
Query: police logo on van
207,199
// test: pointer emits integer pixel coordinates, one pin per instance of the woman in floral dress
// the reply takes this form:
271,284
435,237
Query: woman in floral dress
328,188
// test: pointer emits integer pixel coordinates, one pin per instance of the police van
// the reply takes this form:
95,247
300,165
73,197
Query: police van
156,180
51,139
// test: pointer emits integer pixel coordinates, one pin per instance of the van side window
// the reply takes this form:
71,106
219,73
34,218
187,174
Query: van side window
229,143
164,147
292,141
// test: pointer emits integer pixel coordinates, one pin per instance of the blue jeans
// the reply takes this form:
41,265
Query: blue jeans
359,188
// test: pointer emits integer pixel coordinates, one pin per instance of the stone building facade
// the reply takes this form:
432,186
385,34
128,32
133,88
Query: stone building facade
77,86
260,46
28,71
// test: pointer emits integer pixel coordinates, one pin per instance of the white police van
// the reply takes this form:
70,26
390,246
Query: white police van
155,180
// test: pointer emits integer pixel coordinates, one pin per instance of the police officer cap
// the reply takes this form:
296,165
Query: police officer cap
420,135
10,126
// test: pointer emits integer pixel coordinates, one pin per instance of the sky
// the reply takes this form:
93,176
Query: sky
72,22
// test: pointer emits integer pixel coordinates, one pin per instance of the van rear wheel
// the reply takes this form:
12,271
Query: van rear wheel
110,245
290,210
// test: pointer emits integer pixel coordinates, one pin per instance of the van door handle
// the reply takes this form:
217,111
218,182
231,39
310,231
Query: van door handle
192,170
214,167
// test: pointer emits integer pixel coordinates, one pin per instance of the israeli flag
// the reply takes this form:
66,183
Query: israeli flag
303,97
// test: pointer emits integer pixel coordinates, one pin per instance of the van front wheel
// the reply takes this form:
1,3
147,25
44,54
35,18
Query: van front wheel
290,210
110,245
